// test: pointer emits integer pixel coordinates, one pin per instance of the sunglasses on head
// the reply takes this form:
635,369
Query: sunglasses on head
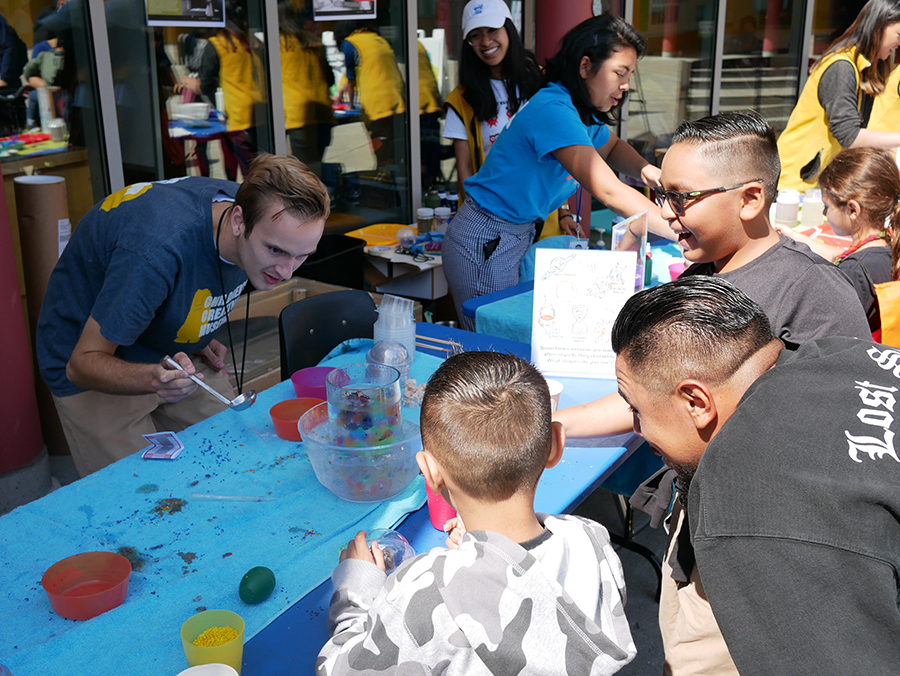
677,199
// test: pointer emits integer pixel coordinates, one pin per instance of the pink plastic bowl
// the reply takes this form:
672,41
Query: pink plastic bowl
86,585
310,382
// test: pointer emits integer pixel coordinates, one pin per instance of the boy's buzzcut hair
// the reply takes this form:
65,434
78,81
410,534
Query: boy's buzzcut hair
486,418
285,180
737,147
696,327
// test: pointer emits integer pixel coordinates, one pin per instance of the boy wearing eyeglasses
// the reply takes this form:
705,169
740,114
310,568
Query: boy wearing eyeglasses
719,178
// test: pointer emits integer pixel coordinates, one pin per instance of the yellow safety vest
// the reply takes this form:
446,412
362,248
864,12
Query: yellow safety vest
378,79
306,97
236,65
807,136
429,94
886,108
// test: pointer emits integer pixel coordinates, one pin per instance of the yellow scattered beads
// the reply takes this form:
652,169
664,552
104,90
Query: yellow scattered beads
216,636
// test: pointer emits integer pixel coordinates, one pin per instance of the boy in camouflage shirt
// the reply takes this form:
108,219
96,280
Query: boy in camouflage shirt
523,592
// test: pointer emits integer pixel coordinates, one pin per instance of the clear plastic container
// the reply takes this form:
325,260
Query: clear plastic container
441,218
811,209
787,207
425,218
391,353
397,323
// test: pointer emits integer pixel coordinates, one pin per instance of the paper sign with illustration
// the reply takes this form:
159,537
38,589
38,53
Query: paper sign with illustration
577,296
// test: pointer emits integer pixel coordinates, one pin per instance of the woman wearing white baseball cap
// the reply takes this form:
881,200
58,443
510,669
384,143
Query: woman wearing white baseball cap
497,76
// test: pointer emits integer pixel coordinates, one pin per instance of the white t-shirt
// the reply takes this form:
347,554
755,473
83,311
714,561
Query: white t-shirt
490,129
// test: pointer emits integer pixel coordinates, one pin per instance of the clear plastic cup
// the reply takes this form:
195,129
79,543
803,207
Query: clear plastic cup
395,547
395,305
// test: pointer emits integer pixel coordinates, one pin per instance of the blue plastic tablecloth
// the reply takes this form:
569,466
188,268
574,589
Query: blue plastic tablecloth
187,555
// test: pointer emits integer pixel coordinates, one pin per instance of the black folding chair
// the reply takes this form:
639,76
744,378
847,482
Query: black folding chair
310,328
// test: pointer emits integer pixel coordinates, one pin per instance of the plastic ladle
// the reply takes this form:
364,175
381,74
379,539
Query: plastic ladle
239,403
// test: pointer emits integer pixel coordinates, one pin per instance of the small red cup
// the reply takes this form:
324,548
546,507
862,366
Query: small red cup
439,510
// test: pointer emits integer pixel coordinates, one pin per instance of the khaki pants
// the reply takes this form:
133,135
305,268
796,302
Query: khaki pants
693,643
102,428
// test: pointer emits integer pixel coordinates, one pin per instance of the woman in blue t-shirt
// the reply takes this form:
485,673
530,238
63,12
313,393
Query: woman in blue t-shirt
558,140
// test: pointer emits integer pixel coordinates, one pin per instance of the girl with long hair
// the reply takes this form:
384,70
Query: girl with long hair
306,78
861,192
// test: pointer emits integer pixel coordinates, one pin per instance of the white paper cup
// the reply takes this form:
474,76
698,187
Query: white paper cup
556,389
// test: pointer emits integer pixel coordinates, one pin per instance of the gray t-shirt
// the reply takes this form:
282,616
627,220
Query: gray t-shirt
804,295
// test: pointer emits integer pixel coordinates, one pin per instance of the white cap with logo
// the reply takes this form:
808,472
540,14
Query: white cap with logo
484,14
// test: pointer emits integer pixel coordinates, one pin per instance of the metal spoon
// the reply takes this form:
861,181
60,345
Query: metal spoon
239,403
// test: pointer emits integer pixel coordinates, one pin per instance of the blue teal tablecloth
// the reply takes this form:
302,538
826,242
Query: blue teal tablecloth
187,555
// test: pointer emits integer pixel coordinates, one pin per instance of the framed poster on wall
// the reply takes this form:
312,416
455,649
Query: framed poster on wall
197,13
341,10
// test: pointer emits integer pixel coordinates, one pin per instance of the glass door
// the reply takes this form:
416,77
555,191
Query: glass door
50,112
351,123
191,87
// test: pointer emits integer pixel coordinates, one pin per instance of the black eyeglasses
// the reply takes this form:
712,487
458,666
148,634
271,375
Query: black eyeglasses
677,199
475,38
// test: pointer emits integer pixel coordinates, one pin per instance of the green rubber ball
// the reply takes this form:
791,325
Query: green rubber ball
257,585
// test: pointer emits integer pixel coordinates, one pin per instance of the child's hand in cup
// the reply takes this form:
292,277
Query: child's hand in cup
455,529
357,548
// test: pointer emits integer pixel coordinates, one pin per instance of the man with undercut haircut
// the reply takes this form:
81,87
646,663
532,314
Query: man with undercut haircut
519,593
719,179
788,469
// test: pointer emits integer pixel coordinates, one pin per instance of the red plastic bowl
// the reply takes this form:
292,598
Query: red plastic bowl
86,585
286,415
310,382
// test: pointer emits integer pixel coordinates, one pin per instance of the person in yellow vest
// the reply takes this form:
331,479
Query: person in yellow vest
229,62
497,77
834,108
306,78
430,112
372,73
